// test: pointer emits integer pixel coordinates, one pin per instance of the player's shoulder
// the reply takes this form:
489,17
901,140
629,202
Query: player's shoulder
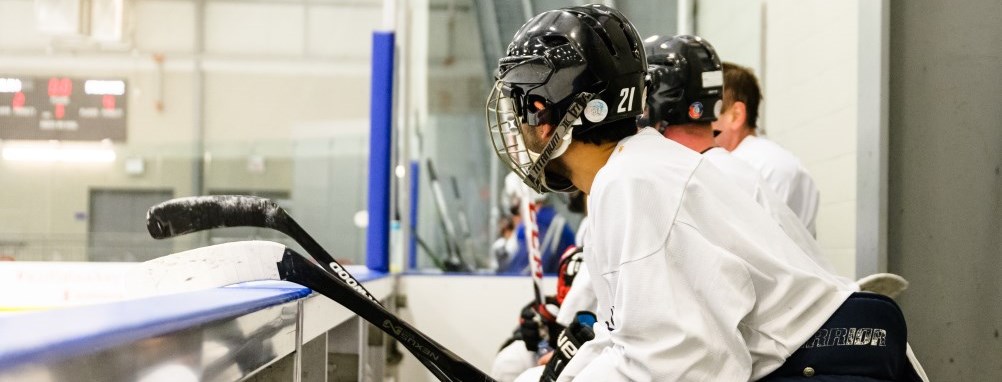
738,171
778,151
647,154
635,198
768,156
646,164
646,160
725,161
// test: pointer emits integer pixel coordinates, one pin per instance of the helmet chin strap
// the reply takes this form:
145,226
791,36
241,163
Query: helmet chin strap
565,142
561,140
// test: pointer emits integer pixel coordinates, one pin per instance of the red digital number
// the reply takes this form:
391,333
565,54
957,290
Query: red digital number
18,101
108,102
60,87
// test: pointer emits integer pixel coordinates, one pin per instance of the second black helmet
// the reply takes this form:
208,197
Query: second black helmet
686,82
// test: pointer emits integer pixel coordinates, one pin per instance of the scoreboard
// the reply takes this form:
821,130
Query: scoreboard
73,109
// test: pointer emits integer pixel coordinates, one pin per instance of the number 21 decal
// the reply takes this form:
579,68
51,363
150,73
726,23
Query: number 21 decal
626,103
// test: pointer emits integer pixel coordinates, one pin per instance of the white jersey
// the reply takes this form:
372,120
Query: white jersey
582,231
749,181
695,281
512,361
785,174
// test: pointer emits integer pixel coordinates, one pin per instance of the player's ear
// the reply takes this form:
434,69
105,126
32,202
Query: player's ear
546,130
739,111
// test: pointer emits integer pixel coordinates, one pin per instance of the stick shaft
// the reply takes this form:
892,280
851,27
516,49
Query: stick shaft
446,365
187,215
451,239
528,209
531,228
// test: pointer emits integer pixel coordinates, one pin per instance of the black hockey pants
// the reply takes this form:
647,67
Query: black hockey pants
864,341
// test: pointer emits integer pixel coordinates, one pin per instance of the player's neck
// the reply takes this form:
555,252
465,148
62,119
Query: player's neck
735,139
698,138
583,160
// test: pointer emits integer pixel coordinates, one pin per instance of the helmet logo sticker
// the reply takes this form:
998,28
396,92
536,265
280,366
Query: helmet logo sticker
717,107
596,110
713,79
695,110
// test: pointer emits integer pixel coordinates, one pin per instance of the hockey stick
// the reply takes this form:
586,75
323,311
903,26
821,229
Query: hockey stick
230,263
454,262
181,216
531,230
464,221
431,255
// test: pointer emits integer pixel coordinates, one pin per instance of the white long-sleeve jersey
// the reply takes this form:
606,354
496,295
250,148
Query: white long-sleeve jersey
695,281
748,180
581,295
785,174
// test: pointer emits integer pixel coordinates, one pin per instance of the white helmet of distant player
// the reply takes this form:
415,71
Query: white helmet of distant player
514,191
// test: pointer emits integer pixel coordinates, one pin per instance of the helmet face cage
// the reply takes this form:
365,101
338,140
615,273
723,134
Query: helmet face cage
515,142
586,64
504,127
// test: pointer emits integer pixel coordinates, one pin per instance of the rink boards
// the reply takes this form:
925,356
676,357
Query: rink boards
80,329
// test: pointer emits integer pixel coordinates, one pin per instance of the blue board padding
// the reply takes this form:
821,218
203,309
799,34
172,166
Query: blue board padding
39,337
435,273
377,252
412,241
364,274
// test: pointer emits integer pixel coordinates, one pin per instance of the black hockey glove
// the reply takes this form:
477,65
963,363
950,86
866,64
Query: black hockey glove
529,327
568,343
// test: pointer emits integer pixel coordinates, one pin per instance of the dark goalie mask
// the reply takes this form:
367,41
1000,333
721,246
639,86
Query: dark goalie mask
566,72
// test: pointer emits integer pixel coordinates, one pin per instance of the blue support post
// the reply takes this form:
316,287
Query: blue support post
377,253
412,241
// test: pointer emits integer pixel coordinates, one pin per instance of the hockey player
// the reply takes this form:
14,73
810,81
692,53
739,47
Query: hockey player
555,234
738,126
520,352
684,75
684,96
694,281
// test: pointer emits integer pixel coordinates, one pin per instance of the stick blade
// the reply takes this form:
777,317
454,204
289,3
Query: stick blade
207,267
180,216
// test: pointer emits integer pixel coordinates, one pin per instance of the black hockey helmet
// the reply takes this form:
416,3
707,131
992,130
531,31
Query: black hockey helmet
685,83
585,64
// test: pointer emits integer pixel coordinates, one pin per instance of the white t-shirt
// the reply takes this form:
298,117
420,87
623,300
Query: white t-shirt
785,174
695,280
580,296
749,181
579,238
512,361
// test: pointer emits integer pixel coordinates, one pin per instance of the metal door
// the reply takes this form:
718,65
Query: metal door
117,225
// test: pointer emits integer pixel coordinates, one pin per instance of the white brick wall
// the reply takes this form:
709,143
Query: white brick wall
805,53
18,29
811,89
734,27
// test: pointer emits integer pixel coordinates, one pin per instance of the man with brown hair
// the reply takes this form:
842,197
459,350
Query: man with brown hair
738,133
